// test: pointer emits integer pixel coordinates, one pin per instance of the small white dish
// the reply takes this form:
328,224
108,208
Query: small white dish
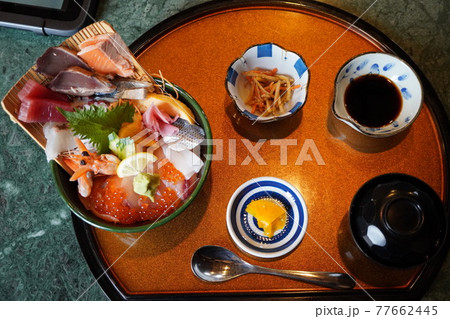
267,56
391,67
243,228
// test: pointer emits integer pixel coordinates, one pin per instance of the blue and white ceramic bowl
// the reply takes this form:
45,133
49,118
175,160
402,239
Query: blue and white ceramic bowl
243,227
267,56
391,67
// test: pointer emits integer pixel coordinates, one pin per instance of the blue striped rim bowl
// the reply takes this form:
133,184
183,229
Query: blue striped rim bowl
243,227
267,56
391,67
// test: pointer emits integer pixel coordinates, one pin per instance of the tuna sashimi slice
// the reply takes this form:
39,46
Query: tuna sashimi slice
42,110
107,55
56,59
32,89
79,82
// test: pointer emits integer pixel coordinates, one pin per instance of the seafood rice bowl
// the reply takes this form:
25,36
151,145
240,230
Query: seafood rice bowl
69,192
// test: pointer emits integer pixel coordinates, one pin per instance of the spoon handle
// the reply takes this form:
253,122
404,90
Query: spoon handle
333,280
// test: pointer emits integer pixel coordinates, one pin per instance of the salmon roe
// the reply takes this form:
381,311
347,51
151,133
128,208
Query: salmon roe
108,198
169,173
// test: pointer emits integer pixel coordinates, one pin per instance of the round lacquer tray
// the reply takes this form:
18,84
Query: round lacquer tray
193,50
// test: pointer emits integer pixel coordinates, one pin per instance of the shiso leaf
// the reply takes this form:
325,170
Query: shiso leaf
96,122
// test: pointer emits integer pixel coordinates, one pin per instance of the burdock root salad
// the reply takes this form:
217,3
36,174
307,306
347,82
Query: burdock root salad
132,149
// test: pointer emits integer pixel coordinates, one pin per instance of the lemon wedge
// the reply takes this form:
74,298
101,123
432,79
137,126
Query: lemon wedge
135,164
168,104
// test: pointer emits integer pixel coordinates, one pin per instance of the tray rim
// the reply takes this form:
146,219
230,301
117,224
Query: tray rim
86,236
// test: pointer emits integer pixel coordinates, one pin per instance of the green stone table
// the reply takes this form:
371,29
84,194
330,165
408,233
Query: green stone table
39,255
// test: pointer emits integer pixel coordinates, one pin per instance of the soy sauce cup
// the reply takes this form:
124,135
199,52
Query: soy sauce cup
394,70
397,221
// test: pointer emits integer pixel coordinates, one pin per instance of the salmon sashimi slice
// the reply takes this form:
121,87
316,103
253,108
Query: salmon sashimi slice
116,41
107,54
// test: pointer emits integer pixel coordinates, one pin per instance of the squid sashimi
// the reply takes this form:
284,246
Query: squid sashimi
186,161
59,139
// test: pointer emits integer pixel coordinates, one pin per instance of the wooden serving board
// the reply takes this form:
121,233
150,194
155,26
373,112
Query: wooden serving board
194,50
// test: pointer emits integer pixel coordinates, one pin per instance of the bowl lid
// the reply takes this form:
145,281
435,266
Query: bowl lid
398,220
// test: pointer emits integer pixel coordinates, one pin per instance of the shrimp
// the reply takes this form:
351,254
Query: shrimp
88,164
85,183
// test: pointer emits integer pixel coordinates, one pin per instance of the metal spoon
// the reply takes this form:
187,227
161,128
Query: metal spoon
217,264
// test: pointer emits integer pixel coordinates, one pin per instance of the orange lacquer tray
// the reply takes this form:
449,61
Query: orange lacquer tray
193,50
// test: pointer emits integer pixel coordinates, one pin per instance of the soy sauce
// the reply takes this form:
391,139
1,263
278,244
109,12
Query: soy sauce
373,100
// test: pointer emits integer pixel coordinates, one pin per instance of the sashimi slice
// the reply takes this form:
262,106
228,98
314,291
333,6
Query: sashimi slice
32,89
180,188
107,56
159,121
56,59
185,161
79,82
42,110
59,137
116,41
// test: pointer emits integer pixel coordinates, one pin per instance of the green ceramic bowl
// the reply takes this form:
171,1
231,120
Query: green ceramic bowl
69,190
